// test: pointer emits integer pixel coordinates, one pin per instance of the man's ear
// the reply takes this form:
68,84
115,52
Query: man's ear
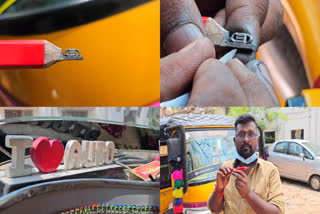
234,140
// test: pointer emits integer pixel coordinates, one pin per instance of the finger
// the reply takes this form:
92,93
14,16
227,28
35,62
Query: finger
215,85
221,173
239,70
220,18
181,24
260,69
246,16
241,174
238,175
177,70
228,169
223,170
258,92
237,186
228,176
239,182
273,21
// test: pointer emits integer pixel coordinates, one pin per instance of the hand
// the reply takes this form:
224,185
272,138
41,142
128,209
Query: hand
260,18
233,84
180,24
223,177
181,21
178,69
241,183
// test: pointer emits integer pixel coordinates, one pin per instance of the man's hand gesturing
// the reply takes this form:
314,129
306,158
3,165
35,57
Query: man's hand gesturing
223,177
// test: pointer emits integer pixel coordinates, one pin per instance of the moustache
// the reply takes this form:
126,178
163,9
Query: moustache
246,144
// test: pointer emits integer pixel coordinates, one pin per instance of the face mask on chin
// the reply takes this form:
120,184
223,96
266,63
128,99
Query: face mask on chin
249,160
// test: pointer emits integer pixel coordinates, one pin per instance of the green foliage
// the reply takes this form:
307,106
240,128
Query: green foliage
235,112
269,139
260,113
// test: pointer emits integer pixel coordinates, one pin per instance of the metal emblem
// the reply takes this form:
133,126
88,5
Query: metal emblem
72,54
242,38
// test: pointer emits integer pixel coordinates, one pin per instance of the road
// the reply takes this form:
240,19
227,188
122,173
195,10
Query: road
300,198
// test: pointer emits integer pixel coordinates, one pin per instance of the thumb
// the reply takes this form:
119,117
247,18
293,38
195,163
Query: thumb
246,16
261,70
177,70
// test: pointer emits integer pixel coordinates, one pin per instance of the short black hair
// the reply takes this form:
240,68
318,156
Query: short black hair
245,118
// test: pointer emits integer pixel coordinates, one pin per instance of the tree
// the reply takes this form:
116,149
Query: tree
261,114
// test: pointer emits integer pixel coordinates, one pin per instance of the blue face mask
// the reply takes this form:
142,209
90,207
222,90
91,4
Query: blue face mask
249,160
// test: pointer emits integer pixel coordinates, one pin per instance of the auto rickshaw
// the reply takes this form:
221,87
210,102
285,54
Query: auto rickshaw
203,142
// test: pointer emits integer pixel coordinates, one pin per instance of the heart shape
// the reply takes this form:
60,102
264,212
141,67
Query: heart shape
46,154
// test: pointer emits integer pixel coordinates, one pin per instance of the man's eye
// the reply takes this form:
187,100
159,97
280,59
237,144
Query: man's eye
251,134
241,134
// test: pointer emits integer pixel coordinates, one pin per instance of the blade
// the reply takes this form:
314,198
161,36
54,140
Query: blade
228,56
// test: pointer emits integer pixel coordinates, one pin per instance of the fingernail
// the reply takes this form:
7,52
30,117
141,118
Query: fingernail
181,36
238,61
264,72
189,47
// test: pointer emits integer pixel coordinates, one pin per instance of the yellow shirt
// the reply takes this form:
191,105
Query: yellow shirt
264,180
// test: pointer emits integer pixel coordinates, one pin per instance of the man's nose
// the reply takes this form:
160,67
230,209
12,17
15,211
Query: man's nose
246,139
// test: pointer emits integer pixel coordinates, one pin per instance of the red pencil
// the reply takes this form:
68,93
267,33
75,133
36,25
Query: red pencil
33,54
239,168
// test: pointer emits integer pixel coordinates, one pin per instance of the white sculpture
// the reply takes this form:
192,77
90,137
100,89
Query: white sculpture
72,155
88,153
100,147
109,152
18,144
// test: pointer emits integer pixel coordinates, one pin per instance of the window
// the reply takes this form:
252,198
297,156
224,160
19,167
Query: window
307,154
206,150
295,149
269,137
297,134
74,113
17,113
281,148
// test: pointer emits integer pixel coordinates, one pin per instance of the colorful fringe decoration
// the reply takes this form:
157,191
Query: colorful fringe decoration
178,209
178,184
177,177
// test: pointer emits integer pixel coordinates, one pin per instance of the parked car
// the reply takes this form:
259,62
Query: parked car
298,160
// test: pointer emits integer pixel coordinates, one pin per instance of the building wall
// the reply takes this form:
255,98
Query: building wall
307,119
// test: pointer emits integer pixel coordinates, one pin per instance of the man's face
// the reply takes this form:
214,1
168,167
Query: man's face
246,139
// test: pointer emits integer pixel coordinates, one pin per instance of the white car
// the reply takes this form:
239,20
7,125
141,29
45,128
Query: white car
298,160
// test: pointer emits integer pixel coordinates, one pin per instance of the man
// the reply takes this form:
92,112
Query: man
188,60
257,189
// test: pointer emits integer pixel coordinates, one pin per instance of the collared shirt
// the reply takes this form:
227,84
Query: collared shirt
264,180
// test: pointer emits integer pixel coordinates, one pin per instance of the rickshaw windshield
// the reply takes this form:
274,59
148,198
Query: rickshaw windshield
206,151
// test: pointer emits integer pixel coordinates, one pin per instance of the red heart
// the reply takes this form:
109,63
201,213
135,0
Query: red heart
46,155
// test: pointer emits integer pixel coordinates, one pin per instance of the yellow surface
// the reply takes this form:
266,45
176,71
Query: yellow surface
303,20
195,194
165,199
282,102
121,64
312,97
